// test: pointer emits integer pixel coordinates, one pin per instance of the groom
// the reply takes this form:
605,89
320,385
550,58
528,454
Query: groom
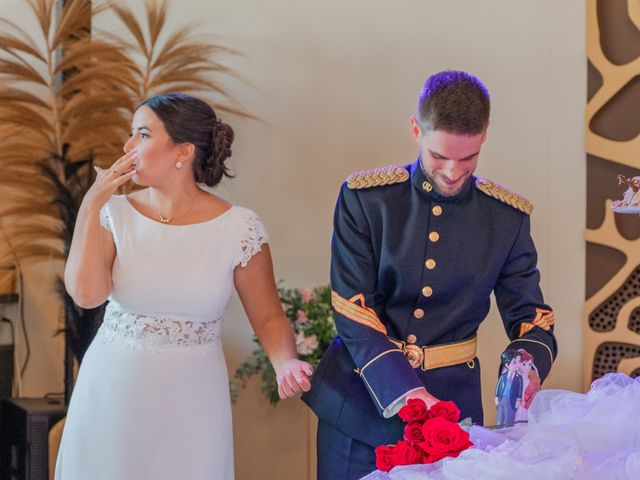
417,251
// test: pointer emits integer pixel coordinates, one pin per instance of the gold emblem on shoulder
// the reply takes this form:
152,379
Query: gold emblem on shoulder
505,195
377,177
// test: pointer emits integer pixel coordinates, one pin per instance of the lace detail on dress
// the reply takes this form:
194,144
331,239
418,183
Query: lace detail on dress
253,238
105,220
148,331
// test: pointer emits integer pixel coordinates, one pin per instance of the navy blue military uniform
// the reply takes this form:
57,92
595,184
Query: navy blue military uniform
409,265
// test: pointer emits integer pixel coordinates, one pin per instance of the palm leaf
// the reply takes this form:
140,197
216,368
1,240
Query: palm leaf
185,59
17,95
19,71
19,34
43,10
33,251
38,233
13,43
34,207
131,22
18,114
91,52
156,16
76,16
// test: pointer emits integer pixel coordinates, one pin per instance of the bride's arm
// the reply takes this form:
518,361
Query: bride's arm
87,273
259,295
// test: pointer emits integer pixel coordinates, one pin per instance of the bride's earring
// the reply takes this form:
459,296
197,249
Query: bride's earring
178,164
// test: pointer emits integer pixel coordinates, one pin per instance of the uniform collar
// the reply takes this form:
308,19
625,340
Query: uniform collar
423,184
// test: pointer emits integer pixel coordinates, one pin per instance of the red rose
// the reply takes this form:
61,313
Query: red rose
414,411
443,438
447,410
384,461
413,432
428,458
405,453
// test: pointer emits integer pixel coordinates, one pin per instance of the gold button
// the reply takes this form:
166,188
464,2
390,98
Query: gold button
437,210
427,291
426,186
430,264
418,313
412,338
434,236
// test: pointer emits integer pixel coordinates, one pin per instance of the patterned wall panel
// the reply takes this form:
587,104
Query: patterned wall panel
612,126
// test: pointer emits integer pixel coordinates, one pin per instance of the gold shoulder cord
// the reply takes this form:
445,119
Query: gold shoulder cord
505,195
377,177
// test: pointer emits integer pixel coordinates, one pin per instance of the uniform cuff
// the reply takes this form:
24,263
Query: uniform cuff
398,403
388,376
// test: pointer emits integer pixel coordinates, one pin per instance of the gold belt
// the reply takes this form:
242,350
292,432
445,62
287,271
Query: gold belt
438,356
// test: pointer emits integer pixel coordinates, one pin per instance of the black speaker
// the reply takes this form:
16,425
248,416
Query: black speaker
6,370
24,436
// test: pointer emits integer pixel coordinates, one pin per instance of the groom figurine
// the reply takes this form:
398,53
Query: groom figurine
509,391
417,251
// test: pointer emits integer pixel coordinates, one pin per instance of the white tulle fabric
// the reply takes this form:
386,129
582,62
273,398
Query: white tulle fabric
152,399
570,436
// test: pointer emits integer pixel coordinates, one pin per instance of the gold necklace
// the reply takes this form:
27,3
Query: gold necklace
164,219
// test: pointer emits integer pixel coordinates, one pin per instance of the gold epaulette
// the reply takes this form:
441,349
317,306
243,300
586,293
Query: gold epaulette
377,177
504,195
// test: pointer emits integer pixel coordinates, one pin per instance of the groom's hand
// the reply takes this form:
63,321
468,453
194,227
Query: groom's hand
293,378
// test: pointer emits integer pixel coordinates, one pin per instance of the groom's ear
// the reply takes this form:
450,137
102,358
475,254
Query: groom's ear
416,131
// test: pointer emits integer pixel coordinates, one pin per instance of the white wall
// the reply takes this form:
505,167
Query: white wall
335,83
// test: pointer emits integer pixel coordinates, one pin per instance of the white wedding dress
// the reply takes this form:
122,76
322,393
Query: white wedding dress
152,397
570,436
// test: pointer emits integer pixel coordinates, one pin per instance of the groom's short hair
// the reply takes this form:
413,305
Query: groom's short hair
455,102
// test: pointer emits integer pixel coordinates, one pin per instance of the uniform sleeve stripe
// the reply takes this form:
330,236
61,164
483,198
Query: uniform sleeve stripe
357,313
348,310
525,327
544,319
360,298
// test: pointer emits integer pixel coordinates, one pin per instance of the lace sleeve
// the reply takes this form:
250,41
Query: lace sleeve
253,237
105,218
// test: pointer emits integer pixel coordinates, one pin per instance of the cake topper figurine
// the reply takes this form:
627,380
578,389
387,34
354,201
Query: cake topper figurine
630,203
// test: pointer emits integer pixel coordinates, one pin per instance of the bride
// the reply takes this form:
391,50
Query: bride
152,400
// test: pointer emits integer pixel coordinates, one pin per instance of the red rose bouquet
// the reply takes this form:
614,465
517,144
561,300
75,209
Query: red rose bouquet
430,435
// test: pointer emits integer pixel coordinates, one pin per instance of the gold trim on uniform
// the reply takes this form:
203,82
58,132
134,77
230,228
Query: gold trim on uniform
534,341
438,356
525,327
358,313
505,195
434,237
377,177
360,371
418,313
427,187
437,210
430,263
544,319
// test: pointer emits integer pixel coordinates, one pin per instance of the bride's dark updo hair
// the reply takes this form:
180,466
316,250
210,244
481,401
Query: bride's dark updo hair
190,120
